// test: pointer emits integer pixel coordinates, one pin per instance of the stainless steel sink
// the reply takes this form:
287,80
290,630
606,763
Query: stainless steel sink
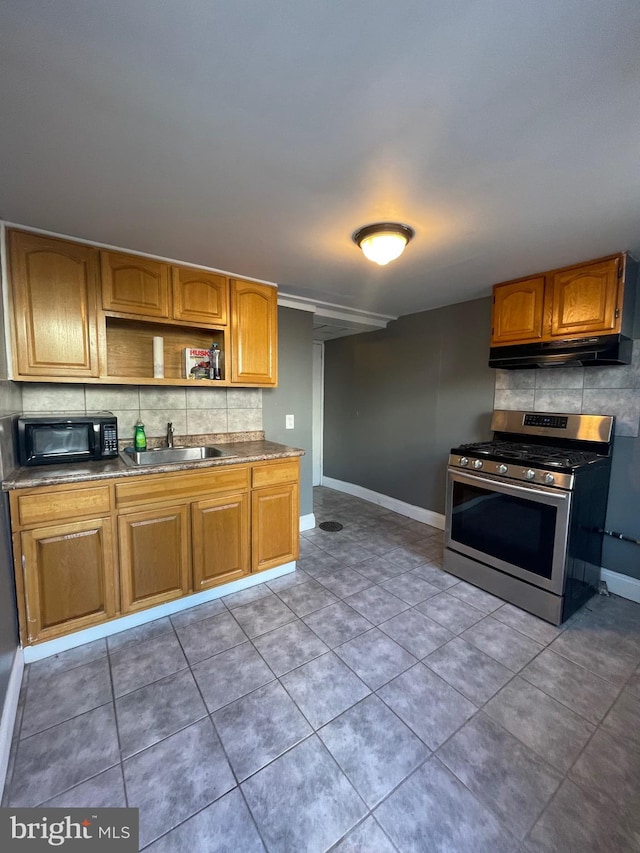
162,455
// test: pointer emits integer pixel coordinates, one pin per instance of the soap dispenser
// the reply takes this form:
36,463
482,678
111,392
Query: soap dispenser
139,437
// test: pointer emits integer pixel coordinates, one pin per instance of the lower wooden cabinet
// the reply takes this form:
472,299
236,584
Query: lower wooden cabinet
220,540
159,537
68,572
154,556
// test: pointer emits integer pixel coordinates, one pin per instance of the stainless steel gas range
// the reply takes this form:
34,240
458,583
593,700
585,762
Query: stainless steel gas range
525,512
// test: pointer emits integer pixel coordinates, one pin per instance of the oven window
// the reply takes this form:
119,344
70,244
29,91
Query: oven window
515,530
51,440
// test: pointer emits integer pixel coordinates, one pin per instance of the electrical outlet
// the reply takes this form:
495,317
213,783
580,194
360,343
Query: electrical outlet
288,421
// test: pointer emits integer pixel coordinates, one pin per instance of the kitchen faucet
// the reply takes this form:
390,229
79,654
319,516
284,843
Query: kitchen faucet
170,431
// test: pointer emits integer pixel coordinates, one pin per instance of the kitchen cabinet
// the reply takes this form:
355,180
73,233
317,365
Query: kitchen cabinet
199,297
254,333
154,556
274,514
132,284
53,286
220,537
563,304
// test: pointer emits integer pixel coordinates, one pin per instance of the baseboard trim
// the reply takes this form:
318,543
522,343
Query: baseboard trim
307,522
418,513
9,712
98,632
622,585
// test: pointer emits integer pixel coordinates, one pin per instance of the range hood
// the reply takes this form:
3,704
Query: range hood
585,352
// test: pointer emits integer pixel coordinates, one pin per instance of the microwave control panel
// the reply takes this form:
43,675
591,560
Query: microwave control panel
110,439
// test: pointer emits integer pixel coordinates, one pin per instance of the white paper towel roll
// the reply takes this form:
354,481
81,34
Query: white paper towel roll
158,358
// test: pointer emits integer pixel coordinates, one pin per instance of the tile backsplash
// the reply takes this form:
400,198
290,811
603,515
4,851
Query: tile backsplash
613,390
193,411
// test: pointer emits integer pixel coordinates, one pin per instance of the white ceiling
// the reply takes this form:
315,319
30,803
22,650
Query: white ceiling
256,136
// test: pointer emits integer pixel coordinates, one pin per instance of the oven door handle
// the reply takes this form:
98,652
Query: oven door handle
525,491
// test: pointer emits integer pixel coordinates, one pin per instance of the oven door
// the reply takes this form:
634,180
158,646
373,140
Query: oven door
520,530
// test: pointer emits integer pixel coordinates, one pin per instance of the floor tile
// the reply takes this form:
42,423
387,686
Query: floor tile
203,639
259,727
324,688
584,692
348,553
318,564
67,660
610,768
376,604
51,699
433,811
374,748
303,801
140,633
539,630
231,674
59,758
290,646
225,826
410,588
246,596
634,682
623,720
406,558
198,613
502,643
263,615
575,820
419,689
375,657
436,576
380,569
307,597
477,598
288,580
503,773
176,778
337,623
104,791
368,837
138,664
585,644
158,710
451,612
344,581
550,729
415,632
470,671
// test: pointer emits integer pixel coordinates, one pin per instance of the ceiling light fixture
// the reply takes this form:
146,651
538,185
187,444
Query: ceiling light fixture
384,241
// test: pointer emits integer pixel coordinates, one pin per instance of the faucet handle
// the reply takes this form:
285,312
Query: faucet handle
170,426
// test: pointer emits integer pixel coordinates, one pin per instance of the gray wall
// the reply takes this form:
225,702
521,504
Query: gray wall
397,400
293,396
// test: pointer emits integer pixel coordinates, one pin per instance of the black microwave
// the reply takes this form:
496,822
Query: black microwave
58,439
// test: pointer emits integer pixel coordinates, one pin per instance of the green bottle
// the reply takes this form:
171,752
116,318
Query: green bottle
139,437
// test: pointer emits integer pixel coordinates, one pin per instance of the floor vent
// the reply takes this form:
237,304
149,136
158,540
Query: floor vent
330,526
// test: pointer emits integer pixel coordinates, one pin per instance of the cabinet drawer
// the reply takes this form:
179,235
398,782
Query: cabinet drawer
181,485
273,473
47,506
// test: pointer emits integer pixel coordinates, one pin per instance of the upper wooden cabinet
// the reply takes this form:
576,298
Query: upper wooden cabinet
134,285
54,291
562,304
254,333
199,297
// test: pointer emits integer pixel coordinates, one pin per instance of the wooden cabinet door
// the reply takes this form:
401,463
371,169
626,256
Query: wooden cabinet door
254,333
154,556
518,311
275,526
134,285
199,297
220,535
54,292
585,299
69,577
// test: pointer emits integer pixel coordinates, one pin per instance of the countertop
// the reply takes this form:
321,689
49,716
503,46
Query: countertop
55,475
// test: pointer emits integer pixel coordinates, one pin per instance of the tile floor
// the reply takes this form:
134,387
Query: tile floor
368,702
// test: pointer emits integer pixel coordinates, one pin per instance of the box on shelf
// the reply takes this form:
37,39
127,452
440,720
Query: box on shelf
196,363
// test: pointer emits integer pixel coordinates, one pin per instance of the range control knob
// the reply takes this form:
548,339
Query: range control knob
501,469
477,463
463,461
530,474
549,479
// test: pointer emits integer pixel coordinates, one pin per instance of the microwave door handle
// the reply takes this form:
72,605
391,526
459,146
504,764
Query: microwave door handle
94,440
